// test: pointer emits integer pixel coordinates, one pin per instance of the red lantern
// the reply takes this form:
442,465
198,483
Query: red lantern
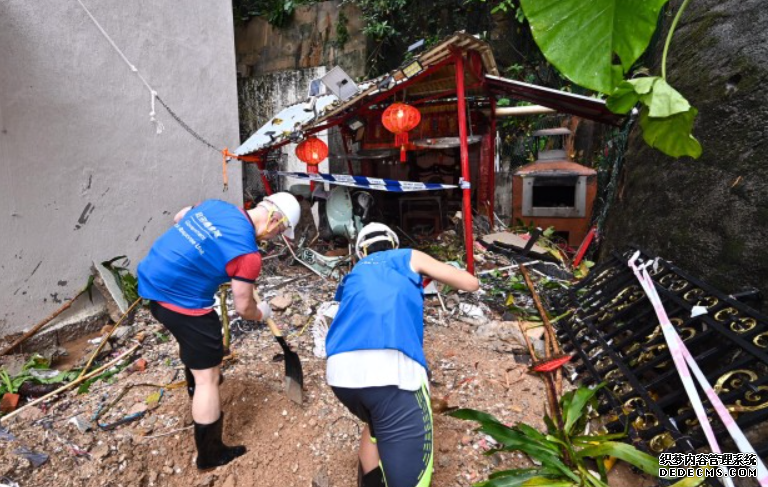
312,151
399,119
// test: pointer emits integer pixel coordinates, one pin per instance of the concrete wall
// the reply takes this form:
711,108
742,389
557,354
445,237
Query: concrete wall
84,175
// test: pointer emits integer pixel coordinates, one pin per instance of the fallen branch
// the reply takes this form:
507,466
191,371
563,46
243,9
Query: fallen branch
105,339
47,320
71,384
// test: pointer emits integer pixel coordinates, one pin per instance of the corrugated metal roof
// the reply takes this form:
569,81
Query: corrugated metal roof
298,117
436,77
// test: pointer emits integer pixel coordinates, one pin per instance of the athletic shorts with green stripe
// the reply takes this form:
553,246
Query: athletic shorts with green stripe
401,424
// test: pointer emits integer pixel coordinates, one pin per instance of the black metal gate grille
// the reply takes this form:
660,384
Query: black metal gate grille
616,337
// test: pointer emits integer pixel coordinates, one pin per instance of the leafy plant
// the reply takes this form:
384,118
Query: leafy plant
8,385
128,283
276,12
596,44
566,454
342,33
40,364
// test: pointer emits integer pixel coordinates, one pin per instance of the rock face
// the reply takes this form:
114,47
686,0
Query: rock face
709,216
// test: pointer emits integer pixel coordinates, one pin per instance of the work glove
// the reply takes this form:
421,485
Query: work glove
265,310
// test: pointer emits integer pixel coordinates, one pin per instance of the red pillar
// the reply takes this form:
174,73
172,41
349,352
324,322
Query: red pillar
492,174
469,240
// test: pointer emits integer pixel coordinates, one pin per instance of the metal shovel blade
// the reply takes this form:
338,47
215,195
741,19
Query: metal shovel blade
294,376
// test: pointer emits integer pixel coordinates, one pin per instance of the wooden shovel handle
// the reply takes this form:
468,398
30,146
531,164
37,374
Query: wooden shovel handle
270,322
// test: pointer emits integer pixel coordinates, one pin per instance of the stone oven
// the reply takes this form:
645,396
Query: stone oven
555,192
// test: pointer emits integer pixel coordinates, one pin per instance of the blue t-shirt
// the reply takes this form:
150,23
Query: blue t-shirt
381,307
187,264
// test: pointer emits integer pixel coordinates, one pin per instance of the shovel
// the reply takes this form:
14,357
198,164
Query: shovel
294,377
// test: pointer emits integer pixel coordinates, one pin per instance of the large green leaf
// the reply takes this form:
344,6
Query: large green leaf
580,38
513,479
622,451
664,101
575,409
473,415
627,94
547,482
671,135
508,478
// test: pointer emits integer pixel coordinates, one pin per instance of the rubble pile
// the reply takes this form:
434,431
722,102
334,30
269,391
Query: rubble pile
133,425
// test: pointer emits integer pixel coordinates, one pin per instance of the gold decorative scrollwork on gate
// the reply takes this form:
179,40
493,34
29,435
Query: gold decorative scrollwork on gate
756,400
622,388
645,421
614,374
700,297
603,363
648,355
744,325
761,340
734,379
726,314
674,282
661,442
633,404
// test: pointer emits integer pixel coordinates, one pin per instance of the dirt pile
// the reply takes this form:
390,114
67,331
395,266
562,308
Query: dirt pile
288,445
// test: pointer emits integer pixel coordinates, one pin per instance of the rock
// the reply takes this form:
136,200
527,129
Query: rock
466,440
100,451
139,365
295,468
298,321
206,481
168,470
444,461
152,477
81,423
123,332
229,482
321,479
280,303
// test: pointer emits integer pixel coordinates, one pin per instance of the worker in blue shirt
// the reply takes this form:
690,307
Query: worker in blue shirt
211,243
376,364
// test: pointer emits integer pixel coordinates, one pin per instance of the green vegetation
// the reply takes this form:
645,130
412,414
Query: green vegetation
567,455
601,56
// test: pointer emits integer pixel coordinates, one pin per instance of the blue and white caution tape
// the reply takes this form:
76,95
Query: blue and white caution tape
365,182
685,364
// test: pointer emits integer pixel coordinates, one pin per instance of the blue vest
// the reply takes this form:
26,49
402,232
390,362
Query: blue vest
382,307
187,264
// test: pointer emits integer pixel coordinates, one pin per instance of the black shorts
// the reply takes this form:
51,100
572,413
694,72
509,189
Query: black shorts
401,426
201,343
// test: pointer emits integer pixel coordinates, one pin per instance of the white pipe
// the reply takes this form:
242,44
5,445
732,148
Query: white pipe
521,111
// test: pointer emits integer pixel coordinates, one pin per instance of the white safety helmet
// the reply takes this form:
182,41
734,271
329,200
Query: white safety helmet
286,204
372,233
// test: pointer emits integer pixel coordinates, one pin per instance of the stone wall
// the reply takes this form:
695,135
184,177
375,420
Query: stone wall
309,40
709,216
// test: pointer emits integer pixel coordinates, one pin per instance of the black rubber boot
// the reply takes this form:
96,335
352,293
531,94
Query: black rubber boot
211,451
374,478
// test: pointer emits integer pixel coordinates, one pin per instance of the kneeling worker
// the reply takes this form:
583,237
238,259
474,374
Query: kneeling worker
210,244
376,364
